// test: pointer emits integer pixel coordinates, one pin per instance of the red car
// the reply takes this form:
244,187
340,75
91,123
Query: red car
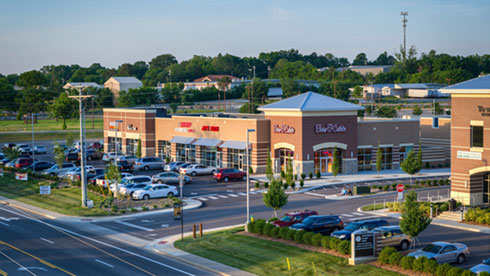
23,162
293,218
229,174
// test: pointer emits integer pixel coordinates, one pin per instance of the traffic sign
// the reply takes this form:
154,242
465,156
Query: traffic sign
400,187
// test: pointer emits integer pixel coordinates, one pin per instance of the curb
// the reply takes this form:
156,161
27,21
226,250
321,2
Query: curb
25,209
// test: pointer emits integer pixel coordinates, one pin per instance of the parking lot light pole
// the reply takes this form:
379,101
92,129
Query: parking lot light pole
248,176
33,151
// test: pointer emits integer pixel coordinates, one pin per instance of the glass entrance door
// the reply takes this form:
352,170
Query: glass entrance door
326,165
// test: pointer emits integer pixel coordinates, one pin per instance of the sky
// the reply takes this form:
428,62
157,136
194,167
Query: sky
35,33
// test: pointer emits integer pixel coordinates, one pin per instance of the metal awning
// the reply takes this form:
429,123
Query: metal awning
182,140
234,145
204,142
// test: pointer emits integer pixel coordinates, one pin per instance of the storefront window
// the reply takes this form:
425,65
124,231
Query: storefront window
237,158
324,160
477,136
387,158
164,149
364,158
211,156
404,151
284,155
131,146
111,146
186,153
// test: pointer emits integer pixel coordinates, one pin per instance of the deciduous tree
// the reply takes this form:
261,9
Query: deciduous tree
64,108
379,159
269,171
335,162
275,197
410,165
414,220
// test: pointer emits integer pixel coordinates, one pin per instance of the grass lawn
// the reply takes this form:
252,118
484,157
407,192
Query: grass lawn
64,201
263,257
50,124
18,137
372,207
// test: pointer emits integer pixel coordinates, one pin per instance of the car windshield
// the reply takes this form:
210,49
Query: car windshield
309,220
432,248
147,188
352,226
286,218
487,261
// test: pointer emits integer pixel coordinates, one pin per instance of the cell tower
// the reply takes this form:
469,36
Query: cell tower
404,20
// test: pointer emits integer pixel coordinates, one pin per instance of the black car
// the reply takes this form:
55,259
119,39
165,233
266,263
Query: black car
124,166
368,224
320,224
39,166
72,157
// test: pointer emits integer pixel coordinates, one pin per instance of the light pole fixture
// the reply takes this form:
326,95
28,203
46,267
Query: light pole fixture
248,175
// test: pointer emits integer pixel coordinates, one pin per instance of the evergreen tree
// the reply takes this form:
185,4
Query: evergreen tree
138,149
410,165
275,197
414,220
379,159
335,162
268,171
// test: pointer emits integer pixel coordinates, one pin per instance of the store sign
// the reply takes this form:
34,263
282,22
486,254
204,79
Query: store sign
363,243
469,155
210,128
330,128
284,129
184,127
113,125
131,127
21,176
185,124
485,111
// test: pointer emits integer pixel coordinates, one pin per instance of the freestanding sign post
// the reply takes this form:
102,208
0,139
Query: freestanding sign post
399,189
363,247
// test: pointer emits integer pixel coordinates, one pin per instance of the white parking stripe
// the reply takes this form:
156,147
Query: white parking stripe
253,193
242,194
368,217
233,195
104,263
202,198
358,214
222,196
346,215
46,240
3,223
212,197
133,225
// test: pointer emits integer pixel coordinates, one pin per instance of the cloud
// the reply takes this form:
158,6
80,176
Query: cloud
281,14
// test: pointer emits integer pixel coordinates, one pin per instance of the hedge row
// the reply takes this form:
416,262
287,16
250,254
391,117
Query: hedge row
390,255
424,206
478,215
260,226
417,184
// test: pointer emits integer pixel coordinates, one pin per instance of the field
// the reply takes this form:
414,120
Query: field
50,124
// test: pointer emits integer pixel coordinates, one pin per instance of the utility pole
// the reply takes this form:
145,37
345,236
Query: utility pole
83,175
248,175
404,21
33,151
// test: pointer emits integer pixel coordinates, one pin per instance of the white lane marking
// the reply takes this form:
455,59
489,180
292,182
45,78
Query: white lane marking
212,197
232,195
194,194
335,186
147,220
229,191
202,198
346,215
164,225
104,263
363,218
253,193
133,225
97,241
242,194
48,241
21,267
314,194
27,268
358,214
3,223
222,196
262,191
9,219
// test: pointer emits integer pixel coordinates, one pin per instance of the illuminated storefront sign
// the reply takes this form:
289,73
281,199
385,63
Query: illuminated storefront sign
210,128
283,129
131,127
330,128
185,127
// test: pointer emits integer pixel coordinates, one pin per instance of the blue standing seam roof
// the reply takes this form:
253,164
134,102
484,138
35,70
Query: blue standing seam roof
476,83
311,101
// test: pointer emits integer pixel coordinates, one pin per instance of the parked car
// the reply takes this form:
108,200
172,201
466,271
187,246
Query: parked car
394,237
197,169
23,162
129,189
8,146
483,267
72,157
93,154
443,252
139,179
38,166
110,157
124,166
40,149
148,163
173,166
72,173
105,183
93,180
96,145
11,163
155,191
229,174
293,217
320,224
90,174
169,178
4,160
55,169
130,158
23,148
368,224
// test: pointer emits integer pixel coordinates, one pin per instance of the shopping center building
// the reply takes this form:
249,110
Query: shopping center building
470,140
307,128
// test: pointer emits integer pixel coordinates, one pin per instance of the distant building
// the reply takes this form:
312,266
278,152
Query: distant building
363,69
116,84
75,85
411,90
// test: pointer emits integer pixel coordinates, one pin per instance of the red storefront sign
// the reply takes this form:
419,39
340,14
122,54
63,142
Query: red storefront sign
284,129
330,128
210,128
184,127
185,124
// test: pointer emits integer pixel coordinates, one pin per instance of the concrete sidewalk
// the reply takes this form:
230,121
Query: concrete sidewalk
166,247
436,221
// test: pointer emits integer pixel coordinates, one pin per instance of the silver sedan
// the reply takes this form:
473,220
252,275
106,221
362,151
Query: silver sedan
444,252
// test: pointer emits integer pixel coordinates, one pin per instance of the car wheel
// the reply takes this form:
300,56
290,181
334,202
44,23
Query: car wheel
212,172
226,179
170,194
160,182
146,168
404,245
146,197
131,194
461,258
193,173
52,174
89,158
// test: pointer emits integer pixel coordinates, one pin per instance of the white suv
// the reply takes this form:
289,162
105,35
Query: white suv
110,157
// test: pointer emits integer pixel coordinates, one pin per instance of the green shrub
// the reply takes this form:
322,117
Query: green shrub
470,273
442,270
484,273
307,238
145,208
448,182
455,271
427,165
257,185
344,247
273,219
274,232
441,182
393,186
303,176
385,254
295,177
325,242
266,230
407,262
374,186
434,182
285,185
250,227
283,174
430,266
293,185
311,175
301,183
418,264
134,210
290,235
316,239
258,226
395,258
318,175
386,187
417,182
298,236
283,233
333,243
266,185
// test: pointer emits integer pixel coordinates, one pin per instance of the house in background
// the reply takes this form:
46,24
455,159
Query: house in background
116,84
83,85
363,69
